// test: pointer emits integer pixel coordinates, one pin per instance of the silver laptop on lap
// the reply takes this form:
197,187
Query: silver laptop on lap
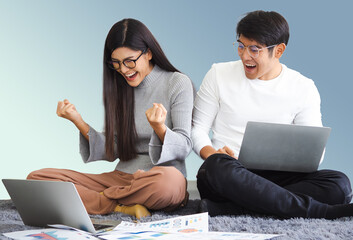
40,203
283,147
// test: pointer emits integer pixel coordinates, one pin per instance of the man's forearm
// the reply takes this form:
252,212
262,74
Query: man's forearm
207,151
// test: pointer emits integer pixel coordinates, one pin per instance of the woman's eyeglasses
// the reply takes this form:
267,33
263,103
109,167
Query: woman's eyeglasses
129,63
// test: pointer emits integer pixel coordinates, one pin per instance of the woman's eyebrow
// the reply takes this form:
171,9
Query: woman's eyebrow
123,59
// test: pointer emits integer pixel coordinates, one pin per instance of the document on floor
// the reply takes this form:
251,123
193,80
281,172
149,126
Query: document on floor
193,227
50,233
183,224
187,236
179,228
59,234
231,236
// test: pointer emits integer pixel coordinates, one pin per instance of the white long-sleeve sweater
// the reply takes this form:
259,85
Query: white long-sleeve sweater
227,100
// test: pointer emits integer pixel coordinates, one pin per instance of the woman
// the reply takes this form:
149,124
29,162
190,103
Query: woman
148,107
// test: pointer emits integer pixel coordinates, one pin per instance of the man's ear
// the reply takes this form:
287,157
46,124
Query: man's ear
279,50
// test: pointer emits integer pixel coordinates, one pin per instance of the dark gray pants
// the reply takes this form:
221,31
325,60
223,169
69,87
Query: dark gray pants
222,178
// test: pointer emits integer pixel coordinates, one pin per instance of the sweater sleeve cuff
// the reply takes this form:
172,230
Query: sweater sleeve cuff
94,149
84,147
169,150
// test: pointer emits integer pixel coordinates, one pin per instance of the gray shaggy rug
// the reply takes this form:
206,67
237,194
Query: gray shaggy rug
297,228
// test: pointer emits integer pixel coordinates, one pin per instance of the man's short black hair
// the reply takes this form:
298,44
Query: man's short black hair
266,28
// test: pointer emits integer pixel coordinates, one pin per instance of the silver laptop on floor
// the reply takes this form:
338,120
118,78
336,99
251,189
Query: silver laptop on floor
40,203
283,147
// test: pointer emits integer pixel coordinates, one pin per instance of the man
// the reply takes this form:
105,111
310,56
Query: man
260,88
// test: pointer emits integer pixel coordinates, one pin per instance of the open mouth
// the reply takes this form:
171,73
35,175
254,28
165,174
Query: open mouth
250,67
131,76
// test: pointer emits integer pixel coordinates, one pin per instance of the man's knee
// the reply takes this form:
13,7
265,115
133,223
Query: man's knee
211,177
213,165
344,184
338,186
217,168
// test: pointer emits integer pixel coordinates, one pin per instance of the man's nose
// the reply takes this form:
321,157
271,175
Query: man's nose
245,54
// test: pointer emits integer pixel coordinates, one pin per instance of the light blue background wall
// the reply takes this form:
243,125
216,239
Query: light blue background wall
51,50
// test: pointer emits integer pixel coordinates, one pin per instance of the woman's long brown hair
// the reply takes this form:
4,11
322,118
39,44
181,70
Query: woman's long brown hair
118,96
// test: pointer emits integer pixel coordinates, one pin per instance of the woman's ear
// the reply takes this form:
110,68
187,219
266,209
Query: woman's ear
279,50
149,54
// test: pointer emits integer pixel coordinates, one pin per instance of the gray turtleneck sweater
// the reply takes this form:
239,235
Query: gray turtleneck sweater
175,91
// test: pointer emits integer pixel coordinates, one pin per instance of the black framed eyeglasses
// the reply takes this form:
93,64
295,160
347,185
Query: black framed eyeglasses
253,50
129,63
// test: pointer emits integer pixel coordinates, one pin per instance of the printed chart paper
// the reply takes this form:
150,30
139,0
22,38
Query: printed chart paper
230,236
50,234
193,227
183,224
147,235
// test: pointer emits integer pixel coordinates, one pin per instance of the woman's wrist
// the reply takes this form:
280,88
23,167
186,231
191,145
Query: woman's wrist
78,121
160,130
82,126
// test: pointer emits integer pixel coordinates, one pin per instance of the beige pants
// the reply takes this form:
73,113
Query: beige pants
158,188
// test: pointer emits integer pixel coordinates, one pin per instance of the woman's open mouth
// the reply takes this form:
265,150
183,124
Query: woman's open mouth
131,76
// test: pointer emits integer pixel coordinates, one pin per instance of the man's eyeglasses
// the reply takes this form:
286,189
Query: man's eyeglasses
253,50
129,63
